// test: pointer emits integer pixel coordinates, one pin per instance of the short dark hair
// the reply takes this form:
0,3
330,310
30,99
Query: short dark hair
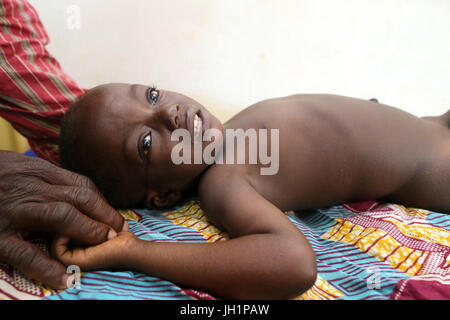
73,157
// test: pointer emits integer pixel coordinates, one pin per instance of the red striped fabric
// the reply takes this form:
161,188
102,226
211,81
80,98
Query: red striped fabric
34,90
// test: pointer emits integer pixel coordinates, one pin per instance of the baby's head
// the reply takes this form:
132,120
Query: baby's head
119,135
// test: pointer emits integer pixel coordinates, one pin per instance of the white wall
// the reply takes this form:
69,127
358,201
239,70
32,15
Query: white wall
229,54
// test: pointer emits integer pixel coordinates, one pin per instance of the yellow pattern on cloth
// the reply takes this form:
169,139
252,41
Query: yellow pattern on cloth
129,215
193,217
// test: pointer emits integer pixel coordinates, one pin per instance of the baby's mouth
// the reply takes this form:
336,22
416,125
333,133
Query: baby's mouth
197,122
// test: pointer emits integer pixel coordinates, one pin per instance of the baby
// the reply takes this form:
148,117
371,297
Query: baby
331,149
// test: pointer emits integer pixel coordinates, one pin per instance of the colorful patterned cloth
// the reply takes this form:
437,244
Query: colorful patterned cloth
365,250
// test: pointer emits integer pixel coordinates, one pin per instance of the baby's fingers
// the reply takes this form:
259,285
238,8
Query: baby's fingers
60,250
103,256
69,256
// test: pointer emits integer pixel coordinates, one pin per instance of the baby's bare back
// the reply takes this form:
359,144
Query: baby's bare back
335,149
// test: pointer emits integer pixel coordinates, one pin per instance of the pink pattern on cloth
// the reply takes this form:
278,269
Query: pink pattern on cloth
359,207
14,285
197,295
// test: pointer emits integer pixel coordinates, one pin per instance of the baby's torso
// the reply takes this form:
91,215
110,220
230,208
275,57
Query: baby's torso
331,149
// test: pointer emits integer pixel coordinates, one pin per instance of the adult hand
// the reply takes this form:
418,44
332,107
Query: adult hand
36,195
110,255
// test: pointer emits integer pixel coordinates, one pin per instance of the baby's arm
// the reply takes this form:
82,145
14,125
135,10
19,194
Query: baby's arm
267,257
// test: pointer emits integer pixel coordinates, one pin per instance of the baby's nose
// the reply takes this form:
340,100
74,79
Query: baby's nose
173,116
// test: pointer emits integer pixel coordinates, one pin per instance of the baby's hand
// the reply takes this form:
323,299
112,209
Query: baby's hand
107,255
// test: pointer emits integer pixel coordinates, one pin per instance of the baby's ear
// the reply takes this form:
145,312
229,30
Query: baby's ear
159,200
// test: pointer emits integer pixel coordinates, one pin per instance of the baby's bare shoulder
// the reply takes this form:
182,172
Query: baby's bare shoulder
233,205
225,196
221,181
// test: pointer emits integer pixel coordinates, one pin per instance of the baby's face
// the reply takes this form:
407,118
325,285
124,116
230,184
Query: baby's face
127,132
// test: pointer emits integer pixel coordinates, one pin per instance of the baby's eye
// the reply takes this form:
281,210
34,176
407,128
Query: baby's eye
152,95
146,145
